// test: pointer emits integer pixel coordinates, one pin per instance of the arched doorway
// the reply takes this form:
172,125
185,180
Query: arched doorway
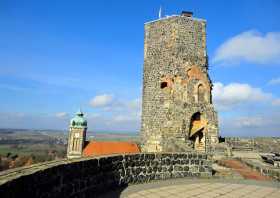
197,132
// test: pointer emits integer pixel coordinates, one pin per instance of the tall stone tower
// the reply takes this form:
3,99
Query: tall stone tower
77,136
177,111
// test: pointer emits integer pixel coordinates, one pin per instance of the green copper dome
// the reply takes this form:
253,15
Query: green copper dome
79,121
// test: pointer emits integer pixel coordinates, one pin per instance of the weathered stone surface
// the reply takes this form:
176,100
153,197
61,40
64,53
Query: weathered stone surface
176,87
92,176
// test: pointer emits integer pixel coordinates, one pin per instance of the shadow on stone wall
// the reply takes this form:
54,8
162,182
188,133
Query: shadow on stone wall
91,177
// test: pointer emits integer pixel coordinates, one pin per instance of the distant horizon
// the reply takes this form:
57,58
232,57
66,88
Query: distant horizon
124,133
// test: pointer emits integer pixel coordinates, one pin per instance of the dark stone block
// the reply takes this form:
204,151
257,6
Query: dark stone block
159,168
142,163
167,161
157,176
137,163
147,163
154,163
196,174
186,168
154,169
175,156
150,156
150,170
170,168
138,170
201,169
194,155
152,176
196,162
178,168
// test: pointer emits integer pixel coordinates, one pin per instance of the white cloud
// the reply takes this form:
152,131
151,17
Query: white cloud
250,121
228,96
61,114
260,124
274,81
116,114
101,100
250,46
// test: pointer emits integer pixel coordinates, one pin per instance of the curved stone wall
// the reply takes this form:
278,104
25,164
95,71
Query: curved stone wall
89,177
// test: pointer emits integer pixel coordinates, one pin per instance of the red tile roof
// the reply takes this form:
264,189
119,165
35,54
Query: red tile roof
94,148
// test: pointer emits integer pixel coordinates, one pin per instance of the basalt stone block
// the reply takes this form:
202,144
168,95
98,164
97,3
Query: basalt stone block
175,156
196,162
194,155
178,168
158,176
150,156
164,169
170,168
159,168
117,158
186,168
196,174
167,161
149,169
154,163
201,169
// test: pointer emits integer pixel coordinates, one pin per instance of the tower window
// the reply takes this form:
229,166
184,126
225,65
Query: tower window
201,93
163,85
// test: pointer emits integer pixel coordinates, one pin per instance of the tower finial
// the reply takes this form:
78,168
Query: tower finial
160,12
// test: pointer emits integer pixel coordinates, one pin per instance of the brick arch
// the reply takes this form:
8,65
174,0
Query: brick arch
196,73
198,130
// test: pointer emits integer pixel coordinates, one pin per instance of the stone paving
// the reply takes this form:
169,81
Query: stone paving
203,188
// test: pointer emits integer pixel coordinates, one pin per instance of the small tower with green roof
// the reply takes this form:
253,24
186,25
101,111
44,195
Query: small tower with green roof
77,136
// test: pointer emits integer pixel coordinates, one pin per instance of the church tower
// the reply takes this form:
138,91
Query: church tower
77,136
177,110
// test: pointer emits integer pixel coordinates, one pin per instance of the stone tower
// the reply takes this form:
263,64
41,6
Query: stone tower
77,136
177,111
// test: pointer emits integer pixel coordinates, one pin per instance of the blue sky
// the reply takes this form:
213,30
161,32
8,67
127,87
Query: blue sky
58,55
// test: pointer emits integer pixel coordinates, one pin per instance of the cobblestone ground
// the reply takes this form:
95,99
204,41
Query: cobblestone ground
207,189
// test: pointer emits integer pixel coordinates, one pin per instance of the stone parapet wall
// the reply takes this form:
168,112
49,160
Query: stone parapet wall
89,177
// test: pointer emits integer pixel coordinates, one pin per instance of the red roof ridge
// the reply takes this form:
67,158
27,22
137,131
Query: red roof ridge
94,147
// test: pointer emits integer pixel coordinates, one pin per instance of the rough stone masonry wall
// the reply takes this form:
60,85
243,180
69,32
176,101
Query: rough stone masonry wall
175,53
89,177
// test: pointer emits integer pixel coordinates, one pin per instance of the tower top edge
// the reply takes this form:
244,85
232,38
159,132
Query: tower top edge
174,16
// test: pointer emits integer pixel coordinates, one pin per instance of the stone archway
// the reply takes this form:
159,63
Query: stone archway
197,132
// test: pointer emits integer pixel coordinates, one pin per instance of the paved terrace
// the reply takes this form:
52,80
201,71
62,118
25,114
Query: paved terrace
207,188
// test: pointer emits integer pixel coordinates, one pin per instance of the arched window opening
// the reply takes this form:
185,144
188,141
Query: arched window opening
200,93
189,73
163,85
